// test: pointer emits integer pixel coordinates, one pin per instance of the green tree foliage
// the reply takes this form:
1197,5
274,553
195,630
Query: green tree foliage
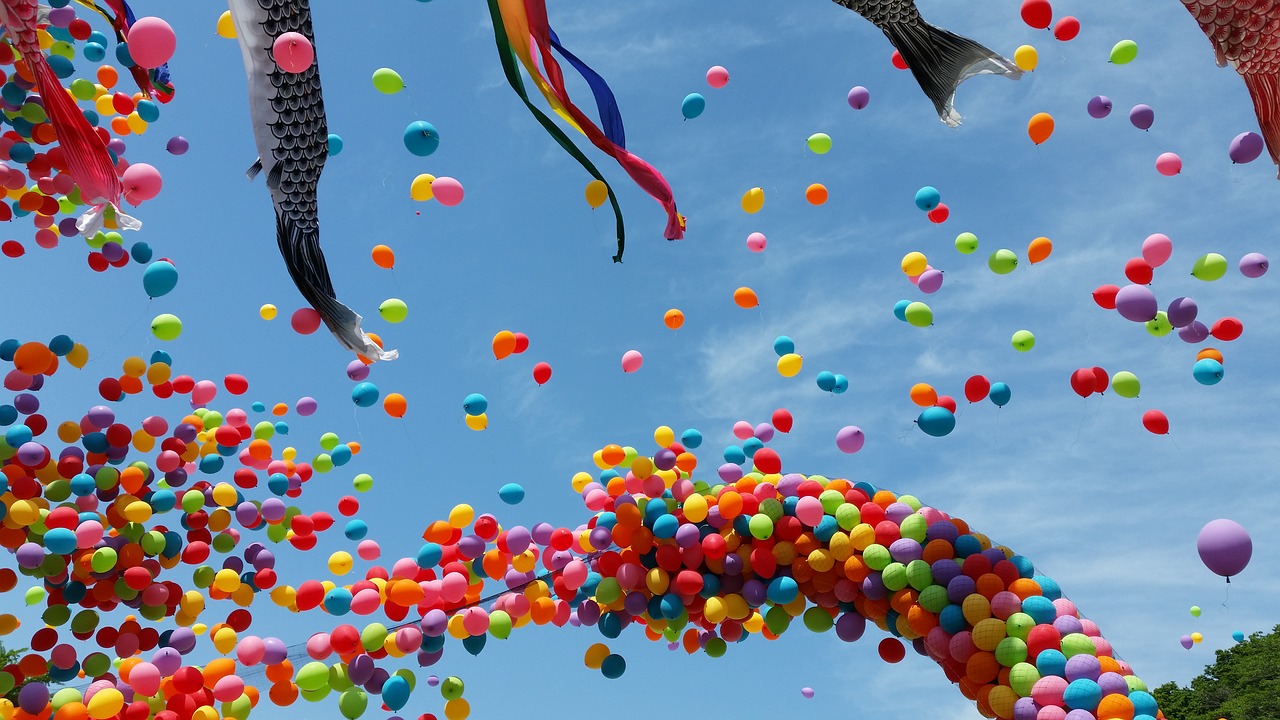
1242,684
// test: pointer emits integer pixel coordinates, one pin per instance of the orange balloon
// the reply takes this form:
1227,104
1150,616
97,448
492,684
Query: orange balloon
816,194
1211,353
613,454
383,256
1040,127
924,395
395,405
504,343
745,297
1039,249
281,672
33,358
108,76
673,319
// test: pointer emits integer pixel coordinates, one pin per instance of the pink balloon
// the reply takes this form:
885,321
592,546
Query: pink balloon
1168,164
293,52
144,678
140,183
743,430
447,191
228,688
717,77
631,361
1156,249
250,650
203,392
318,647
369,550
756,242
151,43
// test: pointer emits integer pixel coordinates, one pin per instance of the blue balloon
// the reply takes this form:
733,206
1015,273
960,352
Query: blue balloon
148,110
356,529
140,252
159,278
421,138
395,692
826,381
160,356
842,384
900,309
429,555
928,197
63,67
732,454
60,541
692,106
936,421
475,404
782,590
691,439
335,145
337,601
782,345
123,56
1000,394
613,666
364,394
1208,371
1238,636
511,493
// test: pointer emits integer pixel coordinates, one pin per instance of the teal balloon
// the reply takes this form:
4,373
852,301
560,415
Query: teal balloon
511,493
421,138
159,278
1000,394
474,643
395,692
900,309
842,384
783,345
1206,371
613,666
692,106
826,381
364,394
335,145
475,404
936,421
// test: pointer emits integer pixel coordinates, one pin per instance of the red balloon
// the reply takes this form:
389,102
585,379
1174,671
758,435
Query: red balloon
541,373
1138,271
767,461
1227,329
976,388
1155,422
1037,13
1105,296
235,384
897,60
1083,382
1066,29
1101,380
891,650
948,402
522,343
939,214
781,420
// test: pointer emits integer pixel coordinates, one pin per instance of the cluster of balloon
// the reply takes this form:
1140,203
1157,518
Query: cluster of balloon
789,361
929,201
978,388
366,394
834,383
938,418
1088,381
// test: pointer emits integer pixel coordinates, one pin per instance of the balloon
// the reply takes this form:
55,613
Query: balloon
395,405
613,666
673,319
1040,127
177,145
1105,296
783,345
227,29
541,373
753,200
806,692
477,422
383,256
789,365
597,193
504,343
292,51
717,76
151,42
475,404
859,97
1209,267
631,361
1142,117
1000,394
966,243
1168,164
1002,262
1138,271
919,315
1066,29
745,297
816,194
927,198
1254,265
756,242
1227,329
1124,52
930,281
939,214
421,138
1155,422
936,421
1084,382
1026,57
897,60
140,183
1136,303
1225,547
1186,642
387,81
1037,13
420,188
1023,340
924,395
900,309
850,439
393,310
159,278
166,327
1194,333
1126,384
1156,249
1195,611
976,388
1039,250
692,106
1208,371
1099,106
819,143
914,263
1245,147
335,144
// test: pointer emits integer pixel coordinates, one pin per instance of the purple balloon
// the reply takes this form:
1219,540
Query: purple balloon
274,650
1186,641
360,669
764,432
850,439
30,555
859,97
33,697
930,281
1142,117
177,145
1136,303
1099,106
1182,312
1245,147
357,370
1224,547
1194,333
850,626
1253,265
806,692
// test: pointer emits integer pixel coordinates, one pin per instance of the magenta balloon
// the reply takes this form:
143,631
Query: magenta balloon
1254,265
859,97
930,281
447,191
1194,333
1182,312
1245,147
1136,303
1099,106
1142,117
1224,547
1156,249
850,439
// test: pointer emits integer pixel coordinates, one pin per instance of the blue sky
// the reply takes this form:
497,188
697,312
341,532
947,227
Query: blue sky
1107,509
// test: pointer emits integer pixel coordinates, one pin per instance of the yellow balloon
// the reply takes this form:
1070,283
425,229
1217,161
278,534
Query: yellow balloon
268,312
789,365
664,436
597,193
340,563
78,356
595,655
8,623
1026,58
224,640
457,709
136,124
226,26
753,200
461,515
105,703
477,422
1196,637
914,263
580,481
420,188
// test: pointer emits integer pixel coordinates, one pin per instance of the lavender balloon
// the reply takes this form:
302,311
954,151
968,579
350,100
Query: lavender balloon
1136,303
1182,312
1245,148
1099,106
930,281
1254,265
1225,547
859,97
1194,333
1186,641
1142,117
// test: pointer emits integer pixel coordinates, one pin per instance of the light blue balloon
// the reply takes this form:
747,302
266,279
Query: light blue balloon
691,439
692,106
364,394
511,493
395,692
475,404
842,384
356,529
421,138
1000,394
1238,636
936,421
335,144
927,198
826,381
159,278
1208,371
900,309
783,345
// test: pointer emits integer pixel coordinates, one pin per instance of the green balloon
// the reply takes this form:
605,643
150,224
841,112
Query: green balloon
1209,267
919,315
34,595
166,326
1126,384
1002,261
777,620
316,695
1159,325
608,591
393,310
831,501
238,708
876,556
716,647
408,675
83,89
339,678
451,687
362,482
64,696
1019,625
373,636
894,576
56,615
223,542
1011,651
500,624
919,575
1023,340
203,576
915,527
761,526
313,676
966,243
1078,644
1195,611
847,516
154,613
85,621
329,441
818,619
771,508
1124,52
96,664
192,500
934,598
103,560
387,81
1022,677
6,683
820,143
